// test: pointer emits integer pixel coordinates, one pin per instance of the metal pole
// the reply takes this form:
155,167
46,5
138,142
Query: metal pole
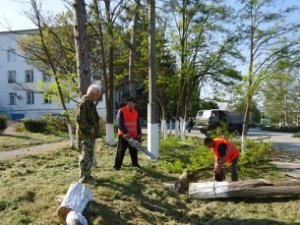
153,132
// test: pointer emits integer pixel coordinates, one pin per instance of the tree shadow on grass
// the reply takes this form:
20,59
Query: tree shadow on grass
148,201
155,205
100,214
210,220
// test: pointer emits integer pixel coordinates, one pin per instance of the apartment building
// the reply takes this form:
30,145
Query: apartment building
18,78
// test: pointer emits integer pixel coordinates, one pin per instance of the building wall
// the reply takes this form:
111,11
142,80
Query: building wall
21,108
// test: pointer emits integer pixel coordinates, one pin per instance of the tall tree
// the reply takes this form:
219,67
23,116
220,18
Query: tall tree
281,94
200,54
81,45
238,103
103,22
49,51
269,38
132,48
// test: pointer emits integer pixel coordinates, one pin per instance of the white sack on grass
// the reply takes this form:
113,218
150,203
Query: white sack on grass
77,197
74,218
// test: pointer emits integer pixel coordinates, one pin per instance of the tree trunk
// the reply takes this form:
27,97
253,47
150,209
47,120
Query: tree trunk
170,128
110,98
177,127
164,131
245,125
243,189
109,127
250,82
81,46
182,127
132,51
53,68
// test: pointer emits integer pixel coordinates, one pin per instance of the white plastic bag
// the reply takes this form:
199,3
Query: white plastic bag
74,218
76,199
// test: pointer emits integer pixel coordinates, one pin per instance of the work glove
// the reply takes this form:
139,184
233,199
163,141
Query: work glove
219,176
139,138
126,136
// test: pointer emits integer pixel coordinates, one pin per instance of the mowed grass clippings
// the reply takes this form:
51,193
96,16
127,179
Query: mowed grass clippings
29,186
26,139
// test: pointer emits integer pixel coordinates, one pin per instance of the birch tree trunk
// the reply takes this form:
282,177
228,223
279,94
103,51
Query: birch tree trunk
110,97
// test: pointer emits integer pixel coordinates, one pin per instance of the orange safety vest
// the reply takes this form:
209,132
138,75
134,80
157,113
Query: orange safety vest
130,120
232,152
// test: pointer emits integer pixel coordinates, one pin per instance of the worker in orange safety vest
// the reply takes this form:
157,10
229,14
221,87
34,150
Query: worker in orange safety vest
128,127
225,152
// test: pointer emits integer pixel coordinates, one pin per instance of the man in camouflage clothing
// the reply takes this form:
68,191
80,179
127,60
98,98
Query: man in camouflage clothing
87,130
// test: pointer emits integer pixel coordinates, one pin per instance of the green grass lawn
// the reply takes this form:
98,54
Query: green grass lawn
29,186
25,139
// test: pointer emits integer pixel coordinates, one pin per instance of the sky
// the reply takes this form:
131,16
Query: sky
12,12
12,15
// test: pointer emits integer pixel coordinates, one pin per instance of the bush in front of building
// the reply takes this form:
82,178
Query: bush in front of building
58,123
36,126
3,123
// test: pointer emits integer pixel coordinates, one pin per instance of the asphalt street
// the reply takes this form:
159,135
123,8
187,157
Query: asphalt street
280,140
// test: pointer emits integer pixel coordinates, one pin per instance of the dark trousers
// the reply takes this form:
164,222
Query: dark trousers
234,175
122,146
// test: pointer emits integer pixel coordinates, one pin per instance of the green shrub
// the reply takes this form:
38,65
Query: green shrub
25,220
200,158
190,154
20,127
36,126
255,156
4,204
57,123
222,131
3,123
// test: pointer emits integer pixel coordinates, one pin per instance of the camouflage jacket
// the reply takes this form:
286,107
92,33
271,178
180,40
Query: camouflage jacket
87,119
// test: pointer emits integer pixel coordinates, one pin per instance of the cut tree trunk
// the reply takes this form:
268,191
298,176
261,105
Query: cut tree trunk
242,189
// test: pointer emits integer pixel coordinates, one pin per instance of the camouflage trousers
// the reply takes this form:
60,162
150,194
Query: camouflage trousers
87,156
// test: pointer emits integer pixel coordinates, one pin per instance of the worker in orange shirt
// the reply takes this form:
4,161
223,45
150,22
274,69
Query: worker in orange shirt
128,127
225,152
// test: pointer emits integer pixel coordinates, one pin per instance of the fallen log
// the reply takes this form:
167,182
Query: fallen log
180,186
242,189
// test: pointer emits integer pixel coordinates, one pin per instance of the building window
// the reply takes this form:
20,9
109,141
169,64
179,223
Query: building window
13,98
47,101
29,76
29,97
11,55
46,77
12,76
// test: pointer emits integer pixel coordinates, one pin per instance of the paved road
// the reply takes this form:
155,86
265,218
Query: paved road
281,141
32,150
